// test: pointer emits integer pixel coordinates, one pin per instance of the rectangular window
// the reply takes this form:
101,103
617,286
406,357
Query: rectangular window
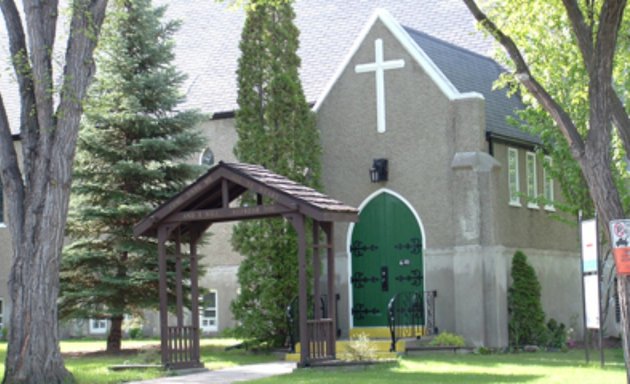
98,326
548,184
532,180
208,319
513,182
1,315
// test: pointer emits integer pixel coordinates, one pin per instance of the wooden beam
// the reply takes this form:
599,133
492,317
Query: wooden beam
316,271
328,229
179,277
194,291
162,237
297,221
229,214
225,193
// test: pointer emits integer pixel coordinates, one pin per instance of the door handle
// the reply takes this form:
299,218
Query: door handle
384,279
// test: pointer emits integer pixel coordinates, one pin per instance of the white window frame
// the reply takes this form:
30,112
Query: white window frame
513,178
548,185
97,326
1,313
531,177
209,323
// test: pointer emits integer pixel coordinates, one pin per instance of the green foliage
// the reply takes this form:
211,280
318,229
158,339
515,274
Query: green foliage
446,339
276,128
542,31
527,318
556,335
360,348
130,157
135,333
5,333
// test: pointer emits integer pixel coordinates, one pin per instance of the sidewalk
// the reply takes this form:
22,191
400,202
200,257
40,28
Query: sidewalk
228,375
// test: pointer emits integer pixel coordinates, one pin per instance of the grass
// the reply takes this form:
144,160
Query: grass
536,368
88,363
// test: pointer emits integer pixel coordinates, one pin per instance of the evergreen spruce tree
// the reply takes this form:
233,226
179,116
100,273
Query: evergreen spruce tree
130,158
276,128
527,319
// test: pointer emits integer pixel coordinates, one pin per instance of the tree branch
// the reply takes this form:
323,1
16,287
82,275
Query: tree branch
23,72
600,73
87,19
583,32
584,37
524,76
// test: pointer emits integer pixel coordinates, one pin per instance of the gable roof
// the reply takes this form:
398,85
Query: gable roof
206,200
207,44
471,72
207,49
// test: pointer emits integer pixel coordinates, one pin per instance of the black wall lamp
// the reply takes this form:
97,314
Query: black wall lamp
378,172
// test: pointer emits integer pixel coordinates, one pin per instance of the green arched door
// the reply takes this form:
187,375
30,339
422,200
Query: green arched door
387,258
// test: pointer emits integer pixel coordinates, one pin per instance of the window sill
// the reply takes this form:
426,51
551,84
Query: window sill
533,206
515,204
550,208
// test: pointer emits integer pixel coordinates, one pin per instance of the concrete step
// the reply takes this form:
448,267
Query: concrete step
346,356
380,348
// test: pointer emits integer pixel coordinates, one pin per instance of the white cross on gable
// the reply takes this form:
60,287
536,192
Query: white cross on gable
379,67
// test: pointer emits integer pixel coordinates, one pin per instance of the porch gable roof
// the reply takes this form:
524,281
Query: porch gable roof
206,200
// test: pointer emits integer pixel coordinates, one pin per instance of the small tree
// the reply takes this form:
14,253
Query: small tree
130,158
275,128
527,318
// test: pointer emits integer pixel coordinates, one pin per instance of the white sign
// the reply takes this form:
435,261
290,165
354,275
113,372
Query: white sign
591,301
589,245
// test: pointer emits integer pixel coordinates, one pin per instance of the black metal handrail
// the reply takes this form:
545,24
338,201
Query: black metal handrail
406,315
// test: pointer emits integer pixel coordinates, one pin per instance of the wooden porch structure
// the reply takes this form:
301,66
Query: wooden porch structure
190,213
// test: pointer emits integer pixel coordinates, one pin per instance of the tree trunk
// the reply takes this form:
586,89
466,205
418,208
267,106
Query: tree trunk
33,354
114,340
38,191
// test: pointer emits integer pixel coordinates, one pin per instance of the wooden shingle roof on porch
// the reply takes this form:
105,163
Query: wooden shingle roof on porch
206,201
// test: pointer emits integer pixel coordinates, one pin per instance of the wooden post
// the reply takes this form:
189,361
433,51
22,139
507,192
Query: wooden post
194,291
328,228
179,291
162,237
316,272
297,220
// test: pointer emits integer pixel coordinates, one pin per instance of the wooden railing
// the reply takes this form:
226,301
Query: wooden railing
182,347
321,339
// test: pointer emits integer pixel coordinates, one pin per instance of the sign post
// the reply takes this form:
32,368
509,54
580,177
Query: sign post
590,282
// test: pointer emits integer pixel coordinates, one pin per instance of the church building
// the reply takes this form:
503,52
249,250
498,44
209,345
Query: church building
415,136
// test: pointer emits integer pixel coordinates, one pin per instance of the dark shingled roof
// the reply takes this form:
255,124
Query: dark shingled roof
207,50
206,193
471,72
289,187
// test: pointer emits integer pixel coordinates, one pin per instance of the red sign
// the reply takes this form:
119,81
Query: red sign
620,232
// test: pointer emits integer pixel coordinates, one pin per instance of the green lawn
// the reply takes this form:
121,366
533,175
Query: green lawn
534,368
538,368
89,366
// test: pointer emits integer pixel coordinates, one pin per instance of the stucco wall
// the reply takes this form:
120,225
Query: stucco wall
524,227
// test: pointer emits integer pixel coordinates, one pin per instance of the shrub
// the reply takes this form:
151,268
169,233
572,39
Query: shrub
5,333
135,333
446,339
360,349
527,318
557,335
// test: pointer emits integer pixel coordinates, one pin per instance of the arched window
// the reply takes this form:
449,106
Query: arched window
207,157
